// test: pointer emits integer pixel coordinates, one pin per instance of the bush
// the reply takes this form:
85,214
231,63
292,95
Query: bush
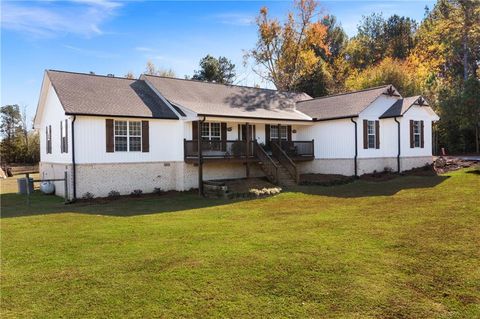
88,196
113,194
158,191
136,192
387,169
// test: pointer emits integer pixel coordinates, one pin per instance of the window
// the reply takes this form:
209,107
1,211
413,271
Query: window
63,136
371,134
211,131
416,133
48,139
274,132
128,136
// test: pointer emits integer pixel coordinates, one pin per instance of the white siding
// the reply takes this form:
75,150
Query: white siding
52,115
388,129
333,139
416,113
166,142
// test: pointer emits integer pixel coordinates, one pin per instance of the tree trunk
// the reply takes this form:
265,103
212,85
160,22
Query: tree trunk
477,138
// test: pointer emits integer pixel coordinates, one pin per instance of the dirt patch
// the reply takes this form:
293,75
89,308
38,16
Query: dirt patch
379,176
325,179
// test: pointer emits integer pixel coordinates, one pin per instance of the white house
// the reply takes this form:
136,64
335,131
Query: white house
120,134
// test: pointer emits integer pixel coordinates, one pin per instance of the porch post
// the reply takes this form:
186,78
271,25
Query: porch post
200,159
279,136
247,164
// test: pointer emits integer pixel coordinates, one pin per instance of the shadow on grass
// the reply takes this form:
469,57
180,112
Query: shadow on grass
14,205
361,188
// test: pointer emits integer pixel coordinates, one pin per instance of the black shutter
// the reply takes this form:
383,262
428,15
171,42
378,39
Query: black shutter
412,139
145,137
110,145
422,136
365,134
61,137
377,134
66,137
289,133
223,135
267,134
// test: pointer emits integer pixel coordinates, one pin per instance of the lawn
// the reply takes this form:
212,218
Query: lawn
404,248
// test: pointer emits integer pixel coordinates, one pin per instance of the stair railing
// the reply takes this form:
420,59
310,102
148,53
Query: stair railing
269,166
285,160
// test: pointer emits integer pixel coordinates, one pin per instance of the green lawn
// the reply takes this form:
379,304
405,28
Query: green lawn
405,248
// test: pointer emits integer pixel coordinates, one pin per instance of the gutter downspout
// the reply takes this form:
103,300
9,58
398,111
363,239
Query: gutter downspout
200,158
74,168
356,148
398,155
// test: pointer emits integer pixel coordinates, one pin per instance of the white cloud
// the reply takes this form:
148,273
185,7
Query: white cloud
54,18
237,19
94,53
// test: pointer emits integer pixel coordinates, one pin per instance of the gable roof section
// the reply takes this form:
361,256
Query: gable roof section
341,105
86,94
214,99
402,105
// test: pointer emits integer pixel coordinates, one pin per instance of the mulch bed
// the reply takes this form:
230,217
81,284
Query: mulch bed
325,179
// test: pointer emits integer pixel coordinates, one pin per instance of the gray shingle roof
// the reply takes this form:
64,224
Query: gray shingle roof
206,98
401,106
109,96
340,105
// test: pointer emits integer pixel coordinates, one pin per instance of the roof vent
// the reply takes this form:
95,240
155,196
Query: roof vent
92,73
110,75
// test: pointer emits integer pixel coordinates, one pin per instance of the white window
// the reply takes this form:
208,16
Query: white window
274,132
128,136
48,139
416,133
211,131
371,134
63,136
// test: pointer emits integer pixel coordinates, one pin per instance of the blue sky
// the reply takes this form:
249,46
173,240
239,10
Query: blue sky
107,36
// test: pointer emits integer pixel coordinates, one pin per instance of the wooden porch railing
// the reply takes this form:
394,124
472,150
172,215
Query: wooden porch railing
269,166
217,149
285,160
295,149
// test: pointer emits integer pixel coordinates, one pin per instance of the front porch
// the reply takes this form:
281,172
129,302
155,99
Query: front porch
239,151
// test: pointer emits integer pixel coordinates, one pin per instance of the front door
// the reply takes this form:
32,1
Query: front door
243,132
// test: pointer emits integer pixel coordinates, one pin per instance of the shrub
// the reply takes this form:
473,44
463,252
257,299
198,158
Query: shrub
113,194
88,196
388,169
158,191
136,192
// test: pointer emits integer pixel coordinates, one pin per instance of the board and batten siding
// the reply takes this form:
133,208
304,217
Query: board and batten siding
387,128
166,142
417,113
52,115
332,139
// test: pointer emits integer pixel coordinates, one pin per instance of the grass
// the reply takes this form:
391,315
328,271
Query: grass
404,248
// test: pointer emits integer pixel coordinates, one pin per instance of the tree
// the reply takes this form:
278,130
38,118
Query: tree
390,71
285,53
10,128
130,75
151,69
220,70
399,33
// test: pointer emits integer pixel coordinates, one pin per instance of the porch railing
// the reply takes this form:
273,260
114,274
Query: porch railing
285,160
218,149
297,148
269,166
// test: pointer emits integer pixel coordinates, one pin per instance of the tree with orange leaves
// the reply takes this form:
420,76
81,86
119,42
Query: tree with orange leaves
286,52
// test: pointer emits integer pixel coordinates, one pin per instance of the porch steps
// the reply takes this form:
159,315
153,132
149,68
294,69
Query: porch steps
284,177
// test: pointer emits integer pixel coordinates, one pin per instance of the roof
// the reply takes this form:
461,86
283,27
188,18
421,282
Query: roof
87,94
214,99
340,105
402,105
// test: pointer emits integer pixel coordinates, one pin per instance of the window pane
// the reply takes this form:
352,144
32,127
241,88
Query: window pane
371,127
135,128
273,132
120,143
371,141
215,130
206,130
283,132
416,127
135,144
121,128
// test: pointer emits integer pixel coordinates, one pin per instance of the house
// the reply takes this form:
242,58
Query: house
118,134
